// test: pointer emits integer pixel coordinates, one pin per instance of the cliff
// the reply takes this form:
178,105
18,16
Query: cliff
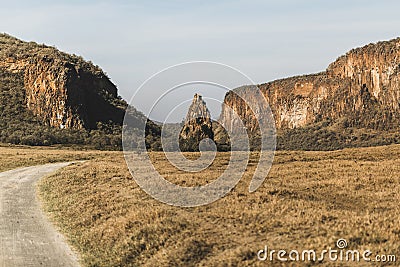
48,96
63,90
359,89
51,97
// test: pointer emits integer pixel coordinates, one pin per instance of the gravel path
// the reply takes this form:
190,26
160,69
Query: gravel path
26,236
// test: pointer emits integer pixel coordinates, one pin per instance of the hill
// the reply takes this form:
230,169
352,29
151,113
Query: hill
51,97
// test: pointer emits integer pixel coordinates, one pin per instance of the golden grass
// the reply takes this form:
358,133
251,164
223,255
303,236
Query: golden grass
12,157
308,201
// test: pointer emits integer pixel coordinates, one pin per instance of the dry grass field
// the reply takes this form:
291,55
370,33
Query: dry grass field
12,157
308,201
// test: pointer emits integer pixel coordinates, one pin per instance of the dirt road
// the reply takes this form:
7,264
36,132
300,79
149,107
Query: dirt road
26,236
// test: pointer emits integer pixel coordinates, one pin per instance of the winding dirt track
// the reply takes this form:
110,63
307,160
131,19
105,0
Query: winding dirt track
26,236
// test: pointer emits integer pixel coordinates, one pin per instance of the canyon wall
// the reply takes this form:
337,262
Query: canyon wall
359,86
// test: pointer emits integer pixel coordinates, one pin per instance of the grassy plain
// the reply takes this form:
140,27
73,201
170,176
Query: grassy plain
308,201
12,157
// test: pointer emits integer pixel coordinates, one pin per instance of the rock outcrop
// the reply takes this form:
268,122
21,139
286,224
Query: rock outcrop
361,88
63,90
354,102
197,125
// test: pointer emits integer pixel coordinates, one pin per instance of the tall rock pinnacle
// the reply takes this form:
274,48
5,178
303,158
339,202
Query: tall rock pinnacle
197,125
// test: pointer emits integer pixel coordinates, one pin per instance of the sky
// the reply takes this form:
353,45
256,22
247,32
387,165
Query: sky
266,40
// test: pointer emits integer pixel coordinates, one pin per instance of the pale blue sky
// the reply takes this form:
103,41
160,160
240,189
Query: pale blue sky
131,40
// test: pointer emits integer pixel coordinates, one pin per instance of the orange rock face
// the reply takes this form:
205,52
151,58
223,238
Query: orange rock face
364,79
63,90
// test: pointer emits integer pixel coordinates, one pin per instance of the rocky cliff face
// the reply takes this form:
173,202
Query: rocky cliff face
361,87
197,125
63,90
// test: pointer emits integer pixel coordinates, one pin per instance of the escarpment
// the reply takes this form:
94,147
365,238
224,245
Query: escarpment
51,97
63,90
360,89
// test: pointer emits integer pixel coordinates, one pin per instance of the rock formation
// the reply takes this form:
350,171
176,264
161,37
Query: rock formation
51,97
354,102
63,90
361,88
197,125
